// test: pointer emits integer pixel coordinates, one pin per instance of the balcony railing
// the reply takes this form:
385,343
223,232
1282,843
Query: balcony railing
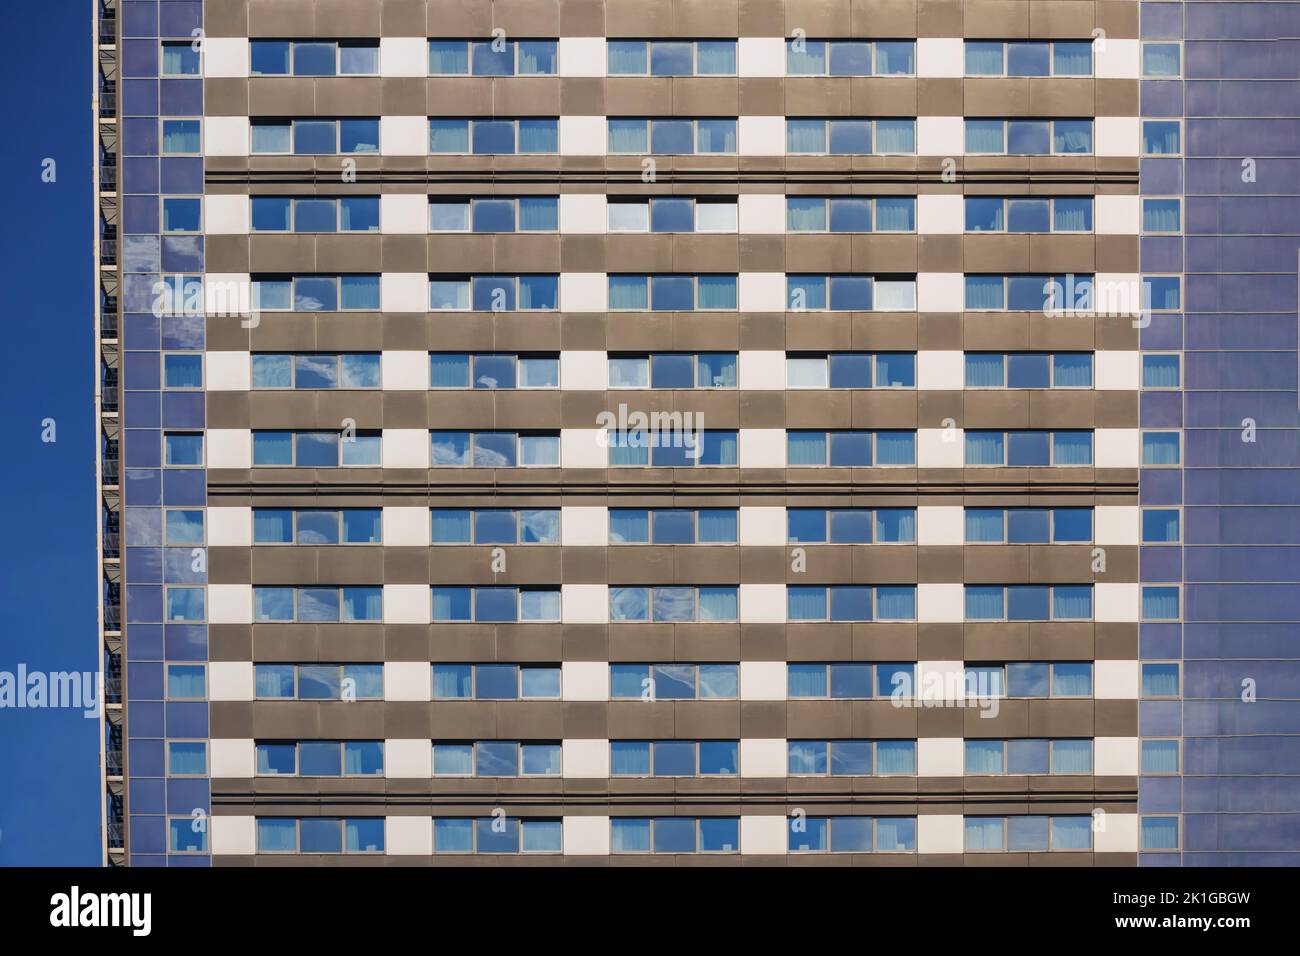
108,325
109,470
112,544
107,29
108,398
108,177
112,690
113,763
108,251
108,104
115,837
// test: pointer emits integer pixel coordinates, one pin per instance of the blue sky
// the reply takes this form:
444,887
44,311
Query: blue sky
49,792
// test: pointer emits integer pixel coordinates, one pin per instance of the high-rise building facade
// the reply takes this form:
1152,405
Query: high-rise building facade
725,430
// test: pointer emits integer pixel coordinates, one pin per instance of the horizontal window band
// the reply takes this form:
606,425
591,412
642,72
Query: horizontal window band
1114,801
217,487
632,176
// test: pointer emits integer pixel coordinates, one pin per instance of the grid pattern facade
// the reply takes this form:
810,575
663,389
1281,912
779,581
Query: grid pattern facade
398,586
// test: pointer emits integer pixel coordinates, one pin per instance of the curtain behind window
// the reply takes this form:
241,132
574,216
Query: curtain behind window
896,603
984,833
984,292
807,448
984,370
448,57
805,136
984,448
895,136
984,136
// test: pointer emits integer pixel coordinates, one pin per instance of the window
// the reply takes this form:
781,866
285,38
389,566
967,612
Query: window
1161,526
850,602
493,137
495,57
181,137
850,448
182,370
186,835
674,758
1028,756
315,214
1033,679
671,136
672,292
318,526
496,526
1160,680
1028,525
187,758
496,682
684,448
184,526
1028,449
187,681
1028,834
850,758
494,214
319,681
316,293
1162,137
497,835
1162,216
850,681
674,681
1159,833
850,137
851,370
852,834
314,58
315,137
851,525
1029,58
850,293
850,214
1162,60
182,214
805,57
181,59
312,370
318,604
1161,449
1160,603
672,525
1161,293
316,449
1160,756
671,57
1161,371
673,604
674,834
185,605
320,758
320,835
496,449
494,293
495,605
183,449
494,370
1028,137
1029,370
496,758
673,370
671,214
1029,602
1029,214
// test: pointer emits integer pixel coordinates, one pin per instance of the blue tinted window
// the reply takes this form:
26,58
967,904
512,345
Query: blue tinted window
672,136
1029,370
1028,215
